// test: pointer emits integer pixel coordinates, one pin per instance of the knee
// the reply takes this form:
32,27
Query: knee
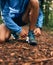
2,26
8,34
2,40
34,3
4,33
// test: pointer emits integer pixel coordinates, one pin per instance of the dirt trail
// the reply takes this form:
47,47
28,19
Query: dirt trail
17,52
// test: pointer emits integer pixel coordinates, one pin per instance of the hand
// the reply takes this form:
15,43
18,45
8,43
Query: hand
37,32
23,33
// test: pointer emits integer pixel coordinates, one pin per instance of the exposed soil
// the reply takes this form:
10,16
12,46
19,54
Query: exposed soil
18,52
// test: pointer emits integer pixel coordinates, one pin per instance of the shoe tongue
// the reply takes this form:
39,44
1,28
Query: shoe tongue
31,34
31,31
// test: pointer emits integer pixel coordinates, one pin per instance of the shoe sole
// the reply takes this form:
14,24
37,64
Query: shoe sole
31,43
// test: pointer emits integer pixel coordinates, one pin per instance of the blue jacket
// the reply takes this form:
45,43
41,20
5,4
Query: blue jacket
12,7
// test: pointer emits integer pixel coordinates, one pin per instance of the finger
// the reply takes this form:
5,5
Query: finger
35,31
38,34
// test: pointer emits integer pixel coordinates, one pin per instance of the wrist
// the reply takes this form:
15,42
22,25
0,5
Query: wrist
18,33
39,28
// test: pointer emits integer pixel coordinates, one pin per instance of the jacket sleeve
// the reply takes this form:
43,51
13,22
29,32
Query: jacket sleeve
40,19
8,20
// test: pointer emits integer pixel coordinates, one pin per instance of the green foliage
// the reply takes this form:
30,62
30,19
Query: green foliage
0,20
48,13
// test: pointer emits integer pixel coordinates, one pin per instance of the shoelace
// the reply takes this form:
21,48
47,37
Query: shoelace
31,35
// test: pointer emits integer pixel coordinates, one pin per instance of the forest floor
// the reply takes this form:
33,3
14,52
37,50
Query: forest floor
18,52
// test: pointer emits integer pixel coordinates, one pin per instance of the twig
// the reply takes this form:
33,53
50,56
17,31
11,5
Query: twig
42,60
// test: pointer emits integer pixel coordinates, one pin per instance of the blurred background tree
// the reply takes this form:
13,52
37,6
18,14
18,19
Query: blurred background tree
47,6
48,13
